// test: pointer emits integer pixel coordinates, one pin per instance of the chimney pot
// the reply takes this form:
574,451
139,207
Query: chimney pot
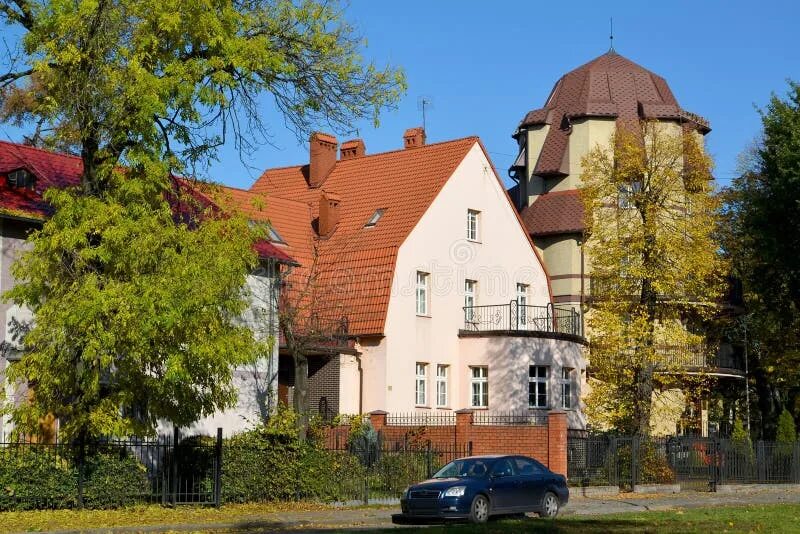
354,148
414,137
329,211
322,157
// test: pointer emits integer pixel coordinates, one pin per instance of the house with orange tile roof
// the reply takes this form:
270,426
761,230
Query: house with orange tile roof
25,173
422,255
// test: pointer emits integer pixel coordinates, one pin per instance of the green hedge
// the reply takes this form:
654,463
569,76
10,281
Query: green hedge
36,476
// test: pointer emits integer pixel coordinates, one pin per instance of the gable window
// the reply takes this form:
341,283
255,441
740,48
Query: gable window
537,386
480,387
375,218
422,293
441,385
566,388
421,384
473,225
470,289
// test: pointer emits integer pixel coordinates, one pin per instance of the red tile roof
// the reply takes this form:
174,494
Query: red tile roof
559,212
357,263
63,170
609,86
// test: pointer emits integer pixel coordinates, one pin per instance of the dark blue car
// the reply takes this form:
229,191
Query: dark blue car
477,487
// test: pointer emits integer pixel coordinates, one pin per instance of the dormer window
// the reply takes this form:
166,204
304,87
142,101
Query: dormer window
20,179
375,218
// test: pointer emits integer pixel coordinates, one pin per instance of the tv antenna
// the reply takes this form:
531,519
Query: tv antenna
424,103
611,37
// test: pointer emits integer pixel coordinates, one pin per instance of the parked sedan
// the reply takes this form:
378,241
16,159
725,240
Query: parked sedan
477,487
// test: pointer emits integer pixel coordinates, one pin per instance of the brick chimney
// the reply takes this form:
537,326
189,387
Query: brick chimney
322,158
354,148
414,137
328,213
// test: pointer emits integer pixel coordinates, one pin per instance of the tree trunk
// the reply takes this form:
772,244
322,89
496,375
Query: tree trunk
300,397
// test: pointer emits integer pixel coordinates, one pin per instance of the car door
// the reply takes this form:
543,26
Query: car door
533,478
505,486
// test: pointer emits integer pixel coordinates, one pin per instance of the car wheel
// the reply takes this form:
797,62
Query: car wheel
549,506
479,511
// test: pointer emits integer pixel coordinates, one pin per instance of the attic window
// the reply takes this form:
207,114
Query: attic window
20,179
274,236
375,218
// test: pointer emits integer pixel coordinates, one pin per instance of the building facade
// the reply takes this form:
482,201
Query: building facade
447,302
584,109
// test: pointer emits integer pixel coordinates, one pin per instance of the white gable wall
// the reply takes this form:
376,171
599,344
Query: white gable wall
437,245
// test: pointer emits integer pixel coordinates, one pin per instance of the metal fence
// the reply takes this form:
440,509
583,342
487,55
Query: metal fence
421,419
109,472
527,418
695,463
521,318
171,471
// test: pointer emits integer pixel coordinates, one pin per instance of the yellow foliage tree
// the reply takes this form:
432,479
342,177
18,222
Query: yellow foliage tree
656,271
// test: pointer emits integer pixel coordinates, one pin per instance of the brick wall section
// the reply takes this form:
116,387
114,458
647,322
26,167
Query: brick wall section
547,443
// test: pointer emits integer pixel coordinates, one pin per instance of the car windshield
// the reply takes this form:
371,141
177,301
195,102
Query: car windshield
463,468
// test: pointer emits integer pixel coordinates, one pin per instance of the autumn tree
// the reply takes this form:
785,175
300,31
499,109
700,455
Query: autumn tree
135,283
655,268
759,235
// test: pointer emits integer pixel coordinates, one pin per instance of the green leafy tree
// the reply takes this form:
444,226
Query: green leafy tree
761,215
654,264
134,309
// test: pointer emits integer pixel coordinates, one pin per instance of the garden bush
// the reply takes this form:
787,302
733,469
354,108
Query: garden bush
38,476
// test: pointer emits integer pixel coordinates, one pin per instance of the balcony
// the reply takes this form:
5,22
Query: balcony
514,317
694,359
605,289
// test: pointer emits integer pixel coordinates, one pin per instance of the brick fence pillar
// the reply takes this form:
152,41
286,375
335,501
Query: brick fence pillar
377,419
557,442
463,426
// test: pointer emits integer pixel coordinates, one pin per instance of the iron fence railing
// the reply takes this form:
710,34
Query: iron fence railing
678,357
697,463
537,418
517,317
421,419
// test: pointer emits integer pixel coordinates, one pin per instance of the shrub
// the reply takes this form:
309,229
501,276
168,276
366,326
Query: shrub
34,477
787,432
114,479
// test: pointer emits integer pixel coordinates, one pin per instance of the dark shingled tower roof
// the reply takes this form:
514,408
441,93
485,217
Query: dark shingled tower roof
610,86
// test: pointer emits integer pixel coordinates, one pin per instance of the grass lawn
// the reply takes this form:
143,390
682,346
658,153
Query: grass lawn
35,521
713,520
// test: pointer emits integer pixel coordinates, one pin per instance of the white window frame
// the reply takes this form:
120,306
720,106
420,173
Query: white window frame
473,225
470,296
441,386
479,386
539,383
566,387
423,286
421,384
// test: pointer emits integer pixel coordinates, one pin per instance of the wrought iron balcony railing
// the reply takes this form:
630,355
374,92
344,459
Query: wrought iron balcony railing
679,358
517,317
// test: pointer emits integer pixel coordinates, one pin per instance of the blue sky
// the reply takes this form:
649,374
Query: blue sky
484,64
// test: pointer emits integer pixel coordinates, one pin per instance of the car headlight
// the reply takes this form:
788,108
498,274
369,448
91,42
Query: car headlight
455,491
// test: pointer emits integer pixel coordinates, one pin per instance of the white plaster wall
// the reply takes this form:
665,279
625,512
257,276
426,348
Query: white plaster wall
438,245
507,359
12,244
256,383
374,366
349,386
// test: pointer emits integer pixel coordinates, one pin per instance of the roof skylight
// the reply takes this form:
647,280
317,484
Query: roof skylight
375,218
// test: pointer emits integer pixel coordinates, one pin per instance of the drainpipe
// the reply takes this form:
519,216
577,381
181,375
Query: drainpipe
583,287
360,379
